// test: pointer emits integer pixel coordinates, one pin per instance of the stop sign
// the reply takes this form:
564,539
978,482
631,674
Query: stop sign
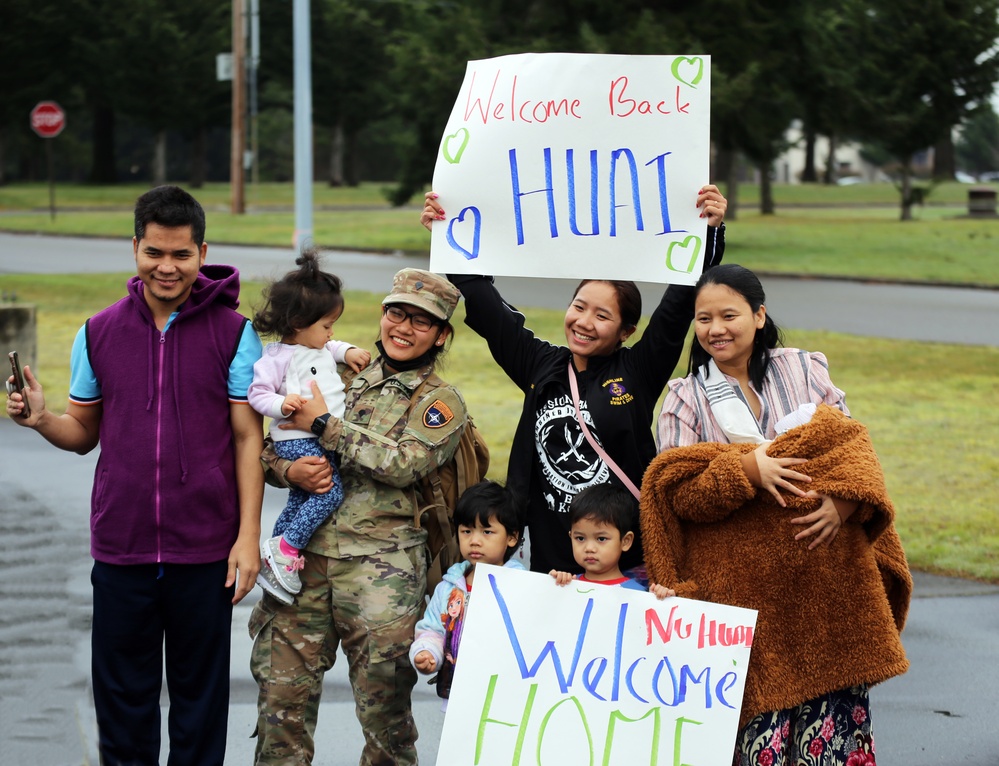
48,119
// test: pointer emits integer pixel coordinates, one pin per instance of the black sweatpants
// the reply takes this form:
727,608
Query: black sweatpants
138,612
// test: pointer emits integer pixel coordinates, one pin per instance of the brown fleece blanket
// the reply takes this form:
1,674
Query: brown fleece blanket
828,618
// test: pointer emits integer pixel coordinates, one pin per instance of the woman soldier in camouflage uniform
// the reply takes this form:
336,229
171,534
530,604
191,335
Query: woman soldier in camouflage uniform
365,572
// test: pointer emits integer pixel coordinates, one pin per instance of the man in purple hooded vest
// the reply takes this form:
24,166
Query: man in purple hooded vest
159,380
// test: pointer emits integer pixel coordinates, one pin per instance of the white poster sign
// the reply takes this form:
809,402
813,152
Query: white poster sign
575,165
593,674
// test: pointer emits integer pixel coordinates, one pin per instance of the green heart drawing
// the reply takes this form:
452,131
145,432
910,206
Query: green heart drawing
683,246
461,135
696,61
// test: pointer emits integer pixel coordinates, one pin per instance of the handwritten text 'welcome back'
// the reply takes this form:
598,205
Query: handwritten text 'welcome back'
621,102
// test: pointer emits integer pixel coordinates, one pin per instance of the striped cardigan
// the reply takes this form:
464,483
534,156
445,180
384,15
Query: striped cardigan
794,377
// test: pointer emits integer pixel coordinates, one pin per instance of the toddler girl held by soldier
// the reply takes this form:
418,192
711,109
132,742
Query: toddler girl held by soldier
300,309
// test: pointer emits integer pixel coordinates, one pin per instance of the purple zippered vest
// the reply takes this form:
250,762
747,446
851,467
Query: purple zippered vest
165,485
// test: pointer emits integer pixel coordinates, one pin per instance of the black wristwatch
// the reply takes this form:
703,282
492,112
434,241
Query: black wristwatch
319,425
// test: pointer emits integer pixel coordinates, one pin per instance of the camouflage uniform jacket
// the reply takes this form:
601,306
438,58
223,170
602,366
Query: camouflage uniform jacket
385,446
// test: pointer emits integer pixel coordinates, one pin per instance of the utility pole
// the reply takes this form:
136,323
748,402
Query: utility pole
238,203
254,66
303,126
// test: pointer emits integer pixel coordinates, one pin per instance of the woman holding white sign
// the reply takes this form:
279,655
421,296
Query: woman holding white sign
727,519
588,405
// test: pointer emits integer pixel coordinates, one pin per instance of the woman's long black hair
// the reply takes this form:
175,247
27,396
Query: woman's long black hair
744,282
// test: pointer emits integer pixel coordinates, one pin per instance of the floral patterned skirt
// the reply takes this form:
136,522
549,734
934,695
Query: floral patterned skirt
831,730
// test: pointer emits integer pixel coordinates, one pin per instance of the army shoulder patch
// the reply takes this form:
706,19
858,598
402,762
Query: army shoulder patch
437,415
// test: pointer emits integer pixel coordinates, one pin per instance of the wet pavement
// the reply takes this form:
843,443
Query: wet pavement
941,712
46,711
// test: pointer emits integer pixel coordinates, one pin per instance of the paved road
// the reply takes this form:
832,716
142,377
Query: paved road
941,712
950,315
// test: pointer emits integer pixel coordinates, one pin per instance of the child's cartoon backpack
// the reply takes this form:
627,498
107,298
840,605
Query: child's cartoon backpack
438,494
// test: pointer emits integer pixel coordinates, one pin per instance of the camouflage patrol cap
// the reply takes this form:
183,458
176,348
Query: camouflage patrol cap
426,290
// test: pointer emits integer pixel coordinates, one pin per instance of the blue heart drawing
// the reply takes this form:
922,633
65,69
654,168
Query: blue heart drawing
476,231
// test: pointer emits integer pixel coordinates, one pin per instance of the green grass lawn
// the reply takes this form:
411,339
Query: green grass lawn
854,243
29,196
848,231
213,196
930,408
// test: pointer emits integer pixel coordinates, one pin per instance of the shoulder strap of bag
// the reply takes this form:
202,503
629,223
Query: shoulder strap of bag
574,388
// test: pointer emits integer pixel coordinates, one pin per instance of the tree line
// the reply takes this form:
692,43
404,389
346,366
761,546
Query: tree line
138,81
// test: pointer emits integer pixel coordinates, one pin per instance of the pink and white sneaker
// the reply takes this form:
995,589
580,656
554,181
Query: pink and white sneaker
285,568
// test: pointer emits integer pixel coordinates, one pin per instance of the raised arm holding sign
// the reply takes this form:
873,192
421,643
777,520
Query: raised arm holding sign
551,460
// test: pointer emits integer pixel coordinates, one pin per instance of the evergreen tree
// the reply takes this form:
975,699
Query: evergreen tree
923,65
978,146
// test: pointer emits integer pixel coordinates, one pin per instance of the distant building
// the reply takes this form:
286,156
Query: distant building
789,166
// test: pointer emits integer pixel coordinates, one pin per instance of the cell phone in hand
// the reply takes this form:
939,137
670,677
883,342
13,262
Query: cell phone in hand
19,384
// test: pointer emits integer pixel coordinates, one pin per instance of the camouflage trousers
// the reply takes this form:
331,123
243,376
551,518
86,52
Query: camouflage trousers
367,604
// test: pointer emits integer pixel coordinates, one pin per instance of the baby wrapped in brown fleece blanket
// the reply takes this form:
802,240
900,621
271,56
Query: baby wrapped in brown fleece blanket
829,618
